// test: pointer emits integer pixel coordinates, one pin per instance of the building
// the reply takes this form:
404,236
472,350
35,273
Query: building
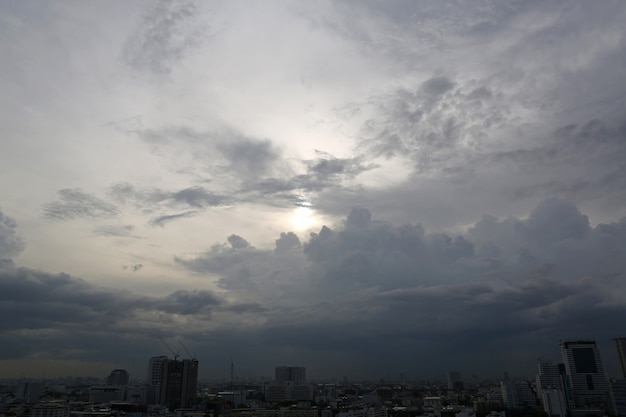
620,344
118,377
554,377
454,381
584,368
28,391
174,382
518,394
290,373
101,394
157,368
617,394
554,402
50,410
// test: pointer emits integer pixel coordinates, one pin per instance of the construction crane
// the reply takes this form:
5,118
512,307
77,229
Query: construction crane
193,357
176,354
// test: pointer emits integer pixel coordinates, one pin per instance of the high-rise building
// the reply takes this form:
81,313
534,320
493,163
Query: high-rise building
518,394
620,344
554,377
174,382
289,385
290,373
584,367
118,377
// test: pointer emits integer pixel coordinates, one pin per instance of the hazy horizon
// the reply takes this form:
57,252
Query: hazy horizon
363,188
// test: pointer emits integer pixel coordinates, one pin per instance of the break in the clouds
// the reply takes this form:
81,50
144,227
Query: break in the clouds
312,182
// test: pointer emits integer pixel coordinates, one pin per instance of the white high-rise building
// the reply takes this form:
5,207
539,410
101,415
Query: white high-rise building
583,365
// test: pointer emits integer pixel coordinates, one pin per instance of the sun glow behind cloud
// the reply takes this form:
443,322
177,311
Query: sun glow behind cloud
302,219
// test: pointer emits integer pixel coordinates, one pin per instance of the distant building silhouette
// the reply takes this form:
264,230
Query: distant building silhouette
290,373
454,381
28,391
118,377
289,385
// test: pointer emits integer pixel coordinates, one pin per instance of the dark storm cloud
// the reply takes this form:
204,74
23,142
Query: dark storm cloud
10,243
168,32
60,316
364,288
74,203
516,284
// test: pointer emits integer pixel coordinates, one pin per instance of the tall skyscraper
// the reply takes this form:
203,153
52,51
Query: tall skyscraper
620,344
584,367
174,382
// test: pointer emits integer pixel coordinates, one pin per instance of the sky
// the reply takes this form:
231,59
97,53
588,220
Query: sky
365,188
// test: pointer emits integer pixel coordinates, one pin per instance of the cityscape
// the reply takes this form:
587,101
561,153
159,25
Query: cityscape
579,386
327,208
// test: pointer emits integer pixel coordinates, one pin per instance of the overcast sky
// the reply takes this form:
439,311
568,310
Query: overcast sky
364,188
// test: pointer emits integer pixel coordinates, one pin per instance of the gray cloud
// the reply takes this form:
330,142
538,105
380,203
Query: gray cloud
133,267
166,218
167,33
286,242
115,230
74,204
507,284
10,243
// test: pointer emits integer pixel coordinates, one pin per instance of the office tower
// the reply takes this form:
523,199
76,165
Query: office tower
586,373
118,377
174,382
289,385
290,373
620,344
157,370
518,394
554,377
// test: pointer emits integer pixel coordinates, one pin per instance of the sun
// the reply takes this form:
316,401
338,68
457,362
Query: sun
302,218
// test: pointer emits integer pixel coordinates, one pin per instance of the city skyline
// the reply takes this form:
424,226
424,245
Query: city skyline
361,188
